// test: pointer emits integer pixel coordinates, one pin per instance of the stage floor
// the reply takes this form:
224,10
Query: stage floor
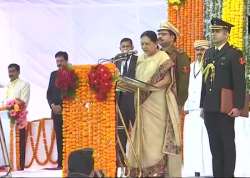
35,173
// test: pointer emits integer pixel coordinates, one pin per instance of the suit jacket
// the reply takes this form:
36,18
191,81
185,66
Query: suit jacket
53,93
126,99
182,71
229,73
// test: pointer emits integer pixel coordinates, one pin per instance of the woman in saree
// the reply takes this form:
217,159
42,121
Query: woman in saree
158,134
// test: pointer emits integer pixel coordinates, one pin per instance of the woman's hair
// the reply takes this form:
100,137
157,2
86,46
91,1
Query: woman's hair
151,35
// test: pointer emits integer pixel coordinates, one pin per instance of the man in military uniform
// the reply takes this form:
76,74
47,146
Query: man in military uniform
224,68
167,35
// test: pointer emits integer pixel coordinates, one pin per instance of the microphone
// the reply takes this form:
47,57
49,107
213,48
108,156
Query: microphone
125,54
119,57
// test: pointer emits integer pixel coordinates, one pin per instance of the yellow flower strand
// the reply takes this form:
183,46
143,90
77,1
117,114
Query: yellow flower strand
233,12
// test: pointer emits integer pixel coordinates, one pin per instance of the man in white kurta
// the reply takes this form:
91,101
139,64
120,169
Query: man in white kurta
17,88
197,156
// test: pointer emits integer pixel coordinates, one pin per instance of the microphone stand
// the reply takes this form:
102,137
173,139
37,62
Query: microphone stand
5,153
118,57
112,60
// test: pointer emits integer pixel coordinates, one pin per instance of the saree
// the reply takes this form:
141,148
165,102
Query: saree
159,134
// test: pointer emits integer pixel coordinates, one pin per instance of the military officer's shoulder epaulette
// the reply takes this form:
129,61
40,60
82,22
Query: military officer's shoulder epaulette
233,46
236,49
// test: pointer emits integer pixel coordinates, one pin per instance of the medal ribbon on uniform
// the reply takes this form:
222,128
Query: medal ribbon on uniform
209,71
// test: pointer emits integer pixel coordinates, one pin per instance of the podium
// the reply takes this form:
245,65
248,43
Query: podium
90,123
125,84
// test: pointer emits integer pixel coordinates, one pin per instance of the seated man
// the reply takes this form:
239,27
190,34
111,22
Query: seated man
81,164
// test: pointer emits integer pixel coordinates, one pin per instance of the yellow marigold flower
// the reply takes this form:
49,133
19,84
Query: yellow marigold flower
16,108
233,12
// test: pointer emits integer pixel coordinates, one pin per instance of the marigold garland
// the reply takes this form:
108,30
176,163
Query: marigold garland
189,19
233,12
247,43
18,153
12,152
14,147
90,123
35,145
176,2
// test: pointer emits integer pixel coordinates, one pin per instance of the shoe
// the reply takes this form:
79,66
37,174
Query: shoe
53,168
59,167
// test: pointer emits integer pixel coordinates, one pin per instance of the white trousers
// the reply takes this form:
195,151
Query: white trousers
197,155
242,142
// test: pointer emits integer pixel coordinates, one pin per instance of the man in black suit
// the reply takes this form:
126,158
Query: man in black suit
224,68
126,99
54,98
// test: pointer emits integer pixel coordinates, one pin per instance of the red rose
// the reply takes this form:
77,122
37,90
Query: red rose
100,80
66,81
106,75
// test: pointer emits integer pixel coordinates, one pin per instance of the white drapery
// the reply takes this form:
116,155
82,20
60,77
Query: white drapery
31,32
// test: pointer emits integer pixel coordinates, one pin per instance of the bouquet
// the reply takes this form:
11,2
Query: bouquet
100,80
67,81
17,112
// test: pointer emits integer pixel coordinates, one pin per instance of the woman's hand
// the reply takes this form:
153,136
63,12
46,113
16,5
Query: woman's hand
164,82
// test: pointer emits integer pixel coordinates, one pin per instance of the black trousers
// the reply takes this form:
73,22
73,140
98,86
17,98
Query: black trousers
58,123
22,147
220,128
123,138
126,105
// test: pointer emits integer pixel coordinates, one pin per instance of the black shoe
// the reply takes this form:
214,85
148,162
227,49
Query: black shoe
59,167
53,168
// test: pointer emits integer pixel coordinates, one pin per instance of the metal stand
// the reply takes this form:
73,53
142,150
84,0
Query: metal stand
126,84
4,151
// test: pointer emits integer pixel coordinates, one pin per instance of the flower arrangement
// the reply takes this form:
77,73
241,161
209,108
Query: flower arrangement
188,16
233,11
175,2
87,122
100,80
17,112
247,43
67,81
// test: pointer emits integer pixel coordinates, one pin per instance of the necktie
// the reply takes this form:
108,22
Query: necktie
125,67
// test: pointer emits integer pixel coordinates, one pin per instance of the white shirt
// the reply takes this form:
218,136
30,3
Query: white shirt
194,88
123,64
17,89
221,46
